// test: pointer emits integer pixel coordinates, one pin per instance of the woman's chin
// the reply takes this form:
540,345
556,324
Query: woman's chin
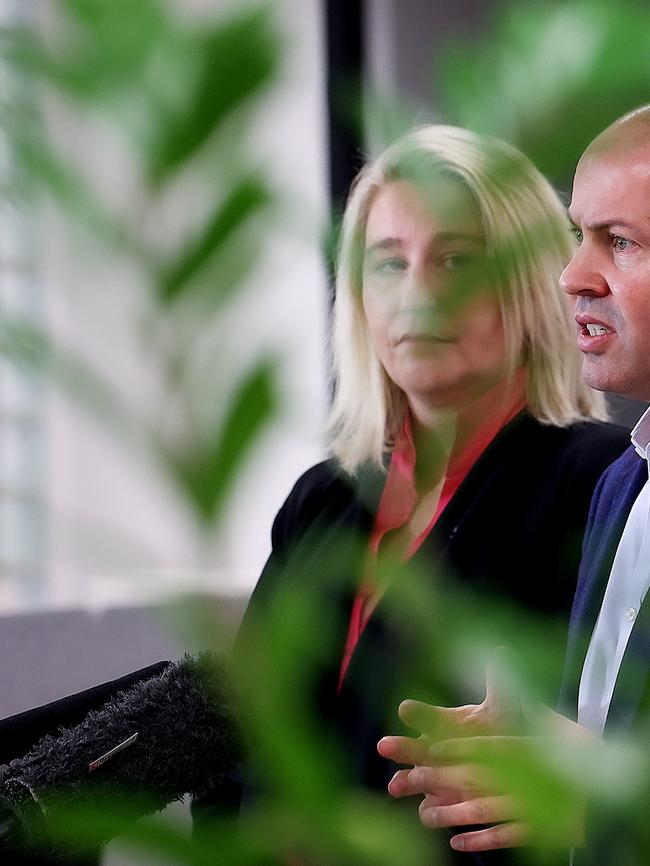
439,397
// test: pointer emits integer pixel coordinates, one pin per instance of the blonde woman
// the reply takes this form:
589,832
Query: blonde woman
462,436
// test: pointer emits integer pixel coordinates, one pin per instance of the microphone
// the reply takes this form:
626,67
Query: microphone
173,734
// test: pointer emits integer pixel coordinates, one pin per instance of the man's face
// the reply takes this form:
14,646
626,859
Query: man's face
609,274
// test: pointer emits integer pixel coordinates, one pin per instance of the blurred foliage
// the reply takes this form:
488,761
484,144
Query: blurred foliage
242,202
208,471
167,86
547,77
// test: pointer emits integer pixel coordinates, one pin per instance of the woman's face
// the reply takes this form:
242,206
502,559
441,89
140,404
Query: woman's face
433,318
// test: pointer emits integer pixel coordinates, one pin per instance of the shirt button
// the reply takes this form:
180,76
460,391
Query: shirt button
630,614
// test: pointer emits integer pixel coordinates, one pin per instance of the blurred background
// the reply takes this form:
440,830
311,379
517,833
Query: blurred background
171,175
87,518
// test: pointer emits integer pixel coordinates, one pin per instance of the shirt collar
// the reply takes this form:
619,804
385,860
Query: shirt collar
399,495
640,435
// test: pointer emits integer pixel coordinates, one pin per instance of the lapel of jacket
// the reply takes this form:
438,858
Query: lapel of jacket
341,549
632,680
394,628
613,499
478,484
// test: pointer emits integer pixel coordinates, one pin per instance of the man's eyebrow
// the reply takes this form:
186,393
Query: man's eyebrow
605,225
445,237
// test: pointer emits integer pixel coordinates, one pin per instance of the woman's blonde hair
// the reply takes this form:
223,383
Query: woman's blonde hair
528,244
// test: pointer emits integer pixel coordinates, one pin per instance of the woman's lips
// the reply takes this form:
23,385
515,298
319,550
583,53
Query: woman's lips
414,338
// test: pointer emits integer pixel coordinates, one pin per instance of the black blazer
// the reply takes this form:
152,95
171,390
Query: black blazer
510,539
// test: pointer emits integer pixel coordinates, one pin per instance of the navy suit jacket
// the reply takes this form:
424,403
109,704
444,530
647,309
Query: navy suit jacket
620,836
613,499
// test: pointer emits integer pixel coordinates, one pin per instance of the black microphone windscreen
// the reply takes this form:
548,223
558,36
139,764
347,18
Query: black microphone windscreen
172,734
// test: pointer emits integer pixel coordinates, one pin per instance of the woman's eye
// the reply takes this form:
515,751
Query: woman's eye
390,266
622,245
577,234
455,261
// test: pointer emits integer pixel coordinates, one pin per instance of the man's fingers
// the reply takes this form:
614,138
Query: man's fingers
484,749
480,810
512,835
405,750
500,712
445,798
400,786
431,780
500,689
440,723
426,718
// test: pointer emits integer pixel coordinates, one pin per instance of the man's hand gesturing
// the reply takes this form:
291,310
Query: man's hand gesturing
474,767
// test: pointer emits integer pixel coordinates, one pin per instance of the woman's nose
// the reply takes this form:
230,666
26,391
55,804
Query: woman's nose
421,286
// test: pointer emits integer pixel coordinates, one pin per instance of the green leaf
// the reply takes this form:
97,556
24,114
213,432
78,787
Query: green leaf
242,203
208,473
235,60
39,168
33,351
548,77
92,55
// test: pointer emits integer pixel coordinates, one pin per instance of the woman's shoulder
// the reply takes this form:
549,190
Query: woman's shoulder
603,435
326,493
321,481
588,445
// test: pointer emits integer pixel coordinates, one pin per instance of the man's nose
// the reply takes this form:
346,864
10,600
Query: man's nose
582,276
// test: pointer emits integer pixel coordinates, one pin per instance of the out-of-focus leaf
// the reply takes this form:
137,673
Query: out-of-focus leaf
40,169
207,474
98,49
243,202
83,829
30,347
549,76
109,17
383,118
236,60
312,807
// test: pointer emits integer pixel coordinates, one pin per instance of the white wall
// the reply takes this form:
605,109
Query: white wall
116,527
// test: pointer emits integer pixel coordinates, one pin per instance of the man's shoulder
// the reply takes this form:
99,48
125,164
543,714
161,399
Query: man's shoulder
624,476
615,494
627,464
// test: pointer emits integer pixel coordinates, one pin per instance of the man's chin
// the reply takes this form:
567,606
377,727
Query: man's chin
614,382
600,378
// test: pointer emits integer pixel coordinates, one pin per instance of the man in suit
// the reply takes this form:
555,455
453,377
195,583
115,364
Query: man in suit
606,673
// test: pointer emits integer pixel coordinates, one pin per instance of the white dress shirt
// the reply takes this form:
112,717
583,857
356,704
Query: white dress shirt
628,583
